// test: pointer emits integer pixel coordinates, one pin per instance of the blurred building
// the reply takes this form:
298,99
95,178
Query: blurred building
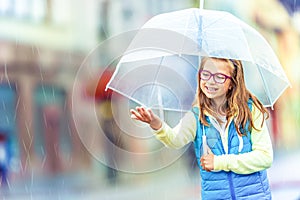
42,45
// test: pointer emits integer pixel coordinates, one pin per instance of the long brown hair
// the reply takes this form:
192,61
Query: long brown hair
237,99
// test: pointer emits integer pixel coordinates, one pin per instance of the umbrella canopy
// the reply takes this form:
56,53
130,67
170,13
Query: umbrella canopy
159,68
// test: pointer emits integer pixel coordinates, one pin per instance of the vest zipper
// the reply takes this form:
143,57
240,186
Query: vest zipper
231,186
230,173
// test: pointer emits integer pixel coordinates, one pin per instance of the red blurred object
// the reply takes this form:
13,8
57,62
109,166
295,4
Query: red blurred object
98,92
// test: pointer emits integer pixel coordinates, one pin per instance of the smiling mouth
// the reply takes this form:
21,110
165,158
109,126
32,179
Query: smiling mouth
211,89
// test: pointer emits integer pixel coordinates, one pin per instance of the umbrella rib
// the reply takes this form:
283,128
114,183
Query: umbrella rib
216,22
199,30
275,99
112,78
212,23
185,31
127,96
155,78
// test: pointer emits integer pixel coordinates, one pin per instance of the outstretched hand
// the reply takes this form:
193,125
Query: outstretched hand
147,116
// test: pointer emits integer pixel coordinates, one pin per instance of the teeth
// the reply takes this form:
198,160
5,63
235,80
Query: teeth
211,89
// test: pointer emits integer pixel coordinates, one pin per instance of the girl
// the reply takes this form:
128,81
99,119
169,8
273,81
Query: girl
227,125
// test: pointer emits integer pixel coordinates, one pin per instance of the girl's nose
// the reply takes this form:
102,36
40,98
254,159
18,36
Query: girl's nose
211,80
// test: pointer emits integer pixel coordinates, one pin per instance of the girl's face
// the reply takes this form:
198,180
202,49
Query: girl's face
212,87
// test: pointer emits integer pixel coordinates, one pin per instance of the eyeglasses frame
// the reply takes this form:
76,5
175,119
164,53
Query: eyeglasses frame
213,75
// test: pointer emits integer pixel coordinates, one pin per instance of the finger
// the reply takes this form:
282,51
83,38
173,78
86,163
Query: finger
150,112
145,114
202,165
132,116
202,162
141,111
136,115
132,111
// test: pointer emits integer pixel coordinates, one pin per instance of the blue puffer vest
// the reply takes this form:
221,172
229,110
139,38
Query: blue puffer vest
228,185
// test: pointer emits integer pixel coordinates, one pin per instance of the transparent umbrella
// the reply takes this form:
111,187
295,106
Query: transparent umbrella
159,68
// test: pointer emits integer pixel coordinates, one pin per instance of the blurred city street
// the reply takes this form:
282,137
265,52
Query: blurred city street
174,182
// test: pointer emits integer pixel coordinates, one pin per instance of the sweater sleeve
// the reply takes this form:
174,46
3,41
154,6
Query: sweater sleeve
177,137
261,156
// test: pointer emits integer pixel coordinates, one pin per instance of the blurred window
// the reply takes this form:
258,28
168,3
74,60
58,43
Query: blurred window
8,104
32,11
